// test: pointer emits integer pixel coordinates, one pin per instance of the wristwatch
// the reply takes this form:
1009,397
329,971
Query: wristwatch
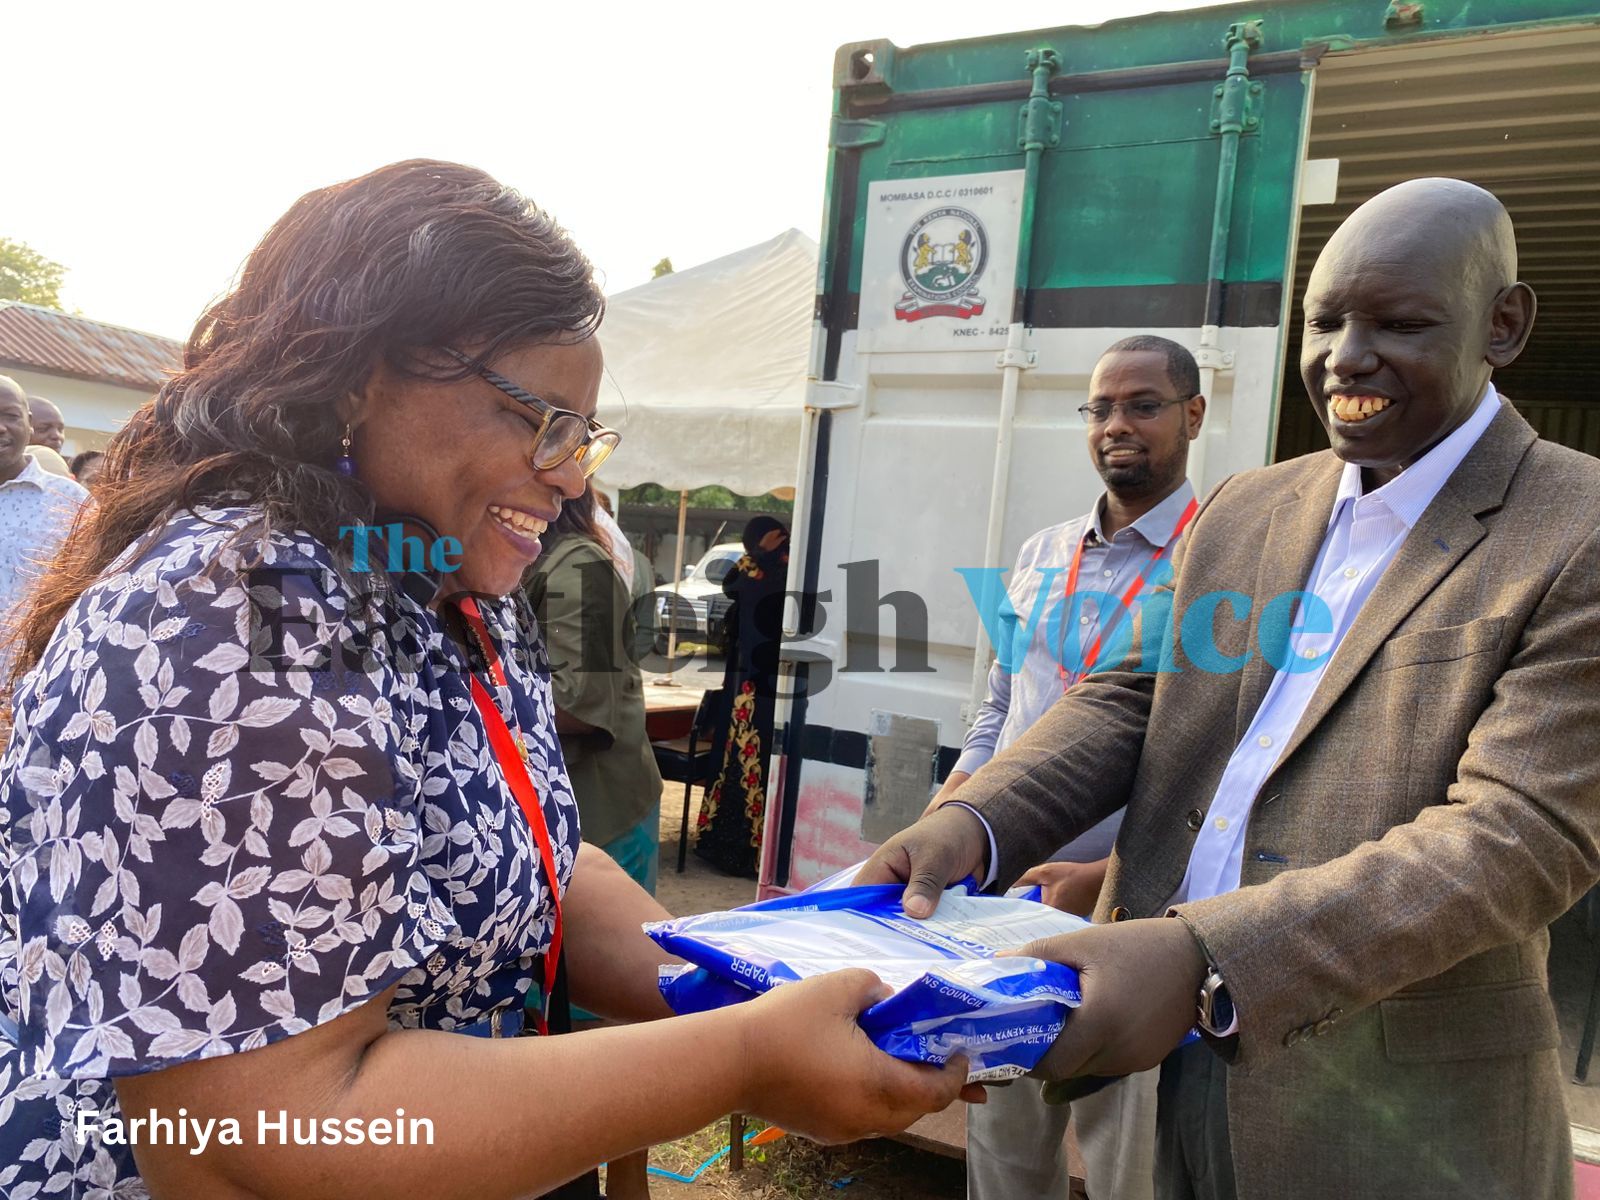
1216,1006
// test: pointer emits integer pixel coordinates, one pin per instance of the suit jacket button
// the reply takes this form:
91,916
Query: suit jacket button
1323,1026
1291,1037
1119,913
1194,820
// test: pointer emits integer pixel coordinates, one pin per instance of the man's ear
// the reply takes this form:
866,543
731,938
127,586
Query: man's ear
1510,323
1194,414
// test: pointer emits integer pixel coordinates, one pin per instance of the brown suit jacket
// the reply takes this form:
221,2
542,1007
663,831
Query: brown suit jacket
1436,808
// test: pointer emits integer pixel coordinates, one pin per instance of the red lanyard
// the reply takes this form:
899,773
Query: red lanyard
512,754
1128,597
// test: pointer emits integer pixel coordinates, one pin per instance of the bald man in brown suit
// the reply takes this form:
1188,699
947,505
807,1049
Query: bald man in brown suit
1364,808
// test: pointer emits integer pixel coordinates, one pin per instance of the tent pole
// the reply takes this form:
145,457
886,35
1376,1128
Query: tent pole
677,579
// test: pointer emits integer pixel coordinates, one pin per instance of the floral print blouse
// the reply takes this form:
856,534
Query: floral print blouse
240,799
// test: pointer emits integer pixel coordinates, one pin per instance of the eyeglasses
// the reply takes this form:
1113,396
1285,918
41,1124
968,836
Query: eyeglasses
560,433
1099,412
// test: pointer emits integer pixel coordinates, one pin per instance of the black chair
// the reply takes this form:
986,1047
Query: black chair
690,760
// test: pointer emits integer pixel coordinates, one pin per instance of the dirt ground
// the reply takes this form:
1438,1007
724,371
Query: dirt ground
790,1167
701,887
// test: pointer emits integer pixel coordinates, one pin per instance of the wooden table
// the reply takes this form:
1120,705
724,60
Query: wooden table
669,710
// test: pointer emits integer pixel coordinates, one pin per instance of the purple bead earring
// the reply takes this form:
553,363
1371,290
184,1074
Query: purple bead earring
345,464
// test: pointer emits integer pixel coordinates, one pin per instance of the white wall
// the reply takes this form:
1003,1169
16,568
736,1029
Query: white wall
94,411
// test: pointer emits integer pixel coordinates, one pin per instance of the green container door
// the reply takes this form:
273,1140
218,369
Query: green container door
1143,176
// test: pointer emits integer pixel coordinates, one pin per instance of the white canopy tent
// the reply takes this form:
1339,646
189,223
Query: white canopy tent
706,377
706,371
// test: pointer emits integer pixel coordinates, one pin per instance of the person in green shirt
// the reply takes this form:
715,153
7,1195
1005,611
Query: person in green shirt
584,610
637,576
585,615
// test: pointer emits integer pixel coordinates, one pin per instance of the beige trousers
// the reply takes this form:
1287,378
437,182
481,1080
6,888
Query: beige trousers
1016,1143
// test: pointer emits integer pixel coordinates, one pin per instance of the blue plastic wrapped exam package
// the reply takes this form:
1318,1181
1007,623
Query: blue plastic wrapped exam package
951,995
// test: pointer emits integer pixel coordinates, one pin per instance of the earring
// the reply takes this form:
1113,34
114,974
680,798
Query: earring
345,464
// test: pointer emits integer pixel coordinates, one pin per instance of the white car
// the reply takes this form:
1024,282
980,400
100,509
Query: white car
701,604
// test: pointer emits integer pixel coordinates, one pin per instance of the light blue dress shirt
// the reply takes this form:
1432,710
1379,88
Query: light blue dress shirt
1037,630
36,511
1365,532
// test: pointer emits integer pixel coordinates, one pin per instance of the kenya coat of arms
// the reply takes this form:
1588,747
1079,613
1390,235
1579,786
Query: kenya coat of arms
941,261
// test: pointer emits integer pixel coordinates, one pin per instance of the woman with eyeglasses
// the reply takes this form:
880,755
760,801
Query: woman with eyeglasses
289,841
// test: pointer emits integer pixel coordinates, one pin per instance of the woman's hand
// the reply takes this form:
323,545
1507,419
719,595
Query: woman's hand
796,1057
817,1074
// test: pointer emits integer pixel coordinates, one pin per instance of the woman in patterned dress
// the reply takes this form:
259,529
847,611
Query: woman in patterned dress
259,855
733,810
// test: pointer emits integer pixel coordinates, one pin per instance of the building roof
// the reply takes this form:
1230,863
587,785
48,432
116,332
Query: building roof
42,339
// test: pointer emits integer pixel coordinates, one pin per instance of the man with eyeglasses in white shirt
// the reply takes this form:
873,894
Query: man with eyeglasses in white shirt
1144,409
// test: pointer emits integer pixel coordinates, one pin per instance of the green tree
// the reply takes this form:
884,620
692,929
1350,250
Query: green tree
29,276
653,495
664,267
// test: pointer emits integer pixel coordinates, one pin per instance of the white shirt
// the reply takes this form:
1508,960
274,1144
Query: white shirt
36,510
1365,532
1040,629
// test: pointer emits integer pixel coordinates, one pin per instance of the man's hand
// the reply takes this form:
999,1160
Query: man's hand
1070,886
948,792
1141,982
942,848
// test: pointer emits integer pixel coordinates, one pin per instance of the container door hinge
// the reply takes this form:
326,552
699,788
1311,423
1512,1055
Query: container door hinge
854,133
827,395
1021,359
1211,356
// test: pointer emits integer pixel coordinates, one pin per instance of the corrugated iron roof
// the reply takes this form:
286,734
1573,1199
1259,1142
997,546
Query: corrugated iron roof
43,339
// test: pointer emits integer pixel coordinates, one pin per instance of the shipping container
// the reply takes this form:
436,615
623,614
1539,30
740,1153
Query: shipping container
1000,210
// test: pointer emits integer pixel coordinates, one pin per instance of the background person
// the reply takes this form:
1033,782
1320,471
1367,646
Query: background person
736,801
1364,812
637,577
1143,410
616,542
48,461
584,615
86,466
37,508
49,426
298,873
